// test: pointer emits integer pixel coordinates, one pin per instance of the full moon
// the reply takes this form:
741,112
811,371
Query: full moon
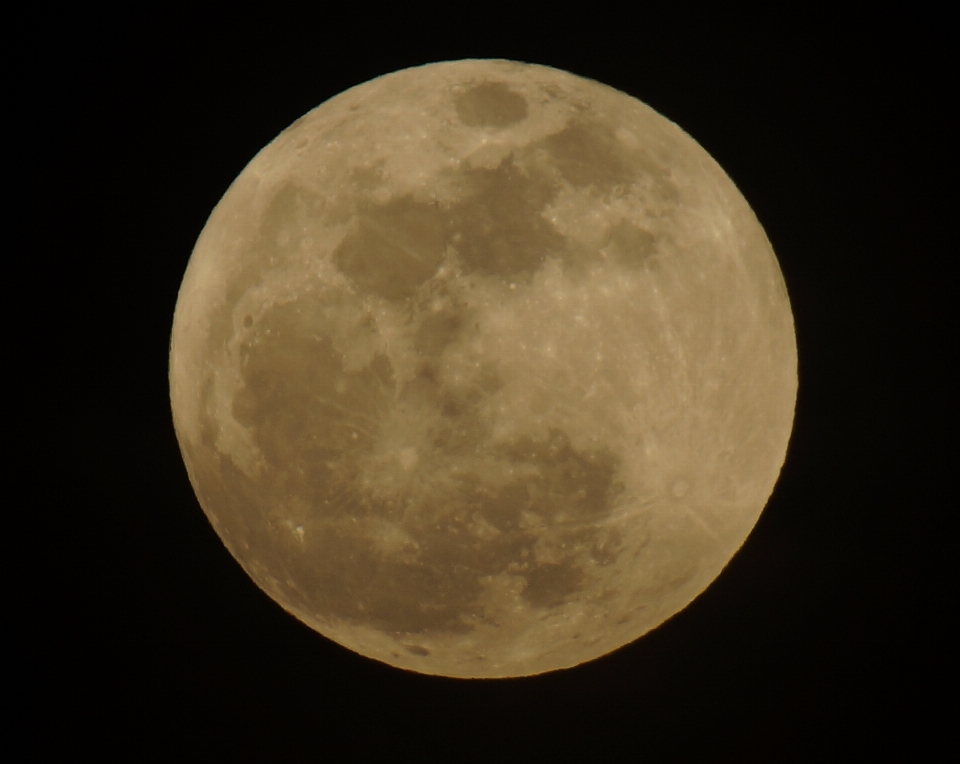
483,369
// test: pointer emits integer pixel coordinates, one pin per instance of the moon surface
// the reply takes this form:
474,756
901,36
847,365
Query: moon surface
483,369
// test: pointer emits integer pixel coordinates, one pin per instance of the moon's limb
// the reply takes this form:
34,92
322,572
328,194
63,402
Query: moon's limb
483,369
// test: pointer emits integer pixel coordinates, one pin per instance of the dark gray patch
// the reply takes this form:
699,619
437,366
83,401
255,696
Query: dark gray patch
209,426
453,545
234,500
570,485
353,580
497,229
567,487
424,389
460,430
631,245
491,104
587,153
309,416
367,178
394,248
417,650
499,222
382,371
292,374
439,329
489,380
502,507
550,585
436,590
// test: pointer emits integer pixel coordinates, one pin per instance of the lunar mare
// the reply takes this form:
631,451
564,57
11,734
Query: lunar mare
482,369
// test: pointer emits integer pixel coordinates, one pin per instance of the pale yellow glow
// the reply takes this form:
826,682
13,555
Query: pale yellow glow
482,369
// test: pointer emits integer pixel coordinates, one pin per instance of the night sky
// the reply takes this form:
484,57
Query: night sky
827,630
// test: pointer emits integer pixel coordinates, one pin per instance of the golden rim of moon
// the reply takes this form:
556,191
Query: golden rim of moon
483,369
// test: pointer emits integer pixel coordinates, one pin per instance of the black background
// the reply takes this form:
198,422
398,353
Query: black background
825,633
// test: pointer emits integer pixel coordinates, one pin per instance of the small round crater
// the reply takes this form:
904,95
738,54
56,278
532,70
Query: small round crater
491,104
680,488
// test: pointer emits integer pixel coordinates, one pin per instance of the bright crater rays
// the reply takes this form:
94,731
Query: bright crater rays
482,369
